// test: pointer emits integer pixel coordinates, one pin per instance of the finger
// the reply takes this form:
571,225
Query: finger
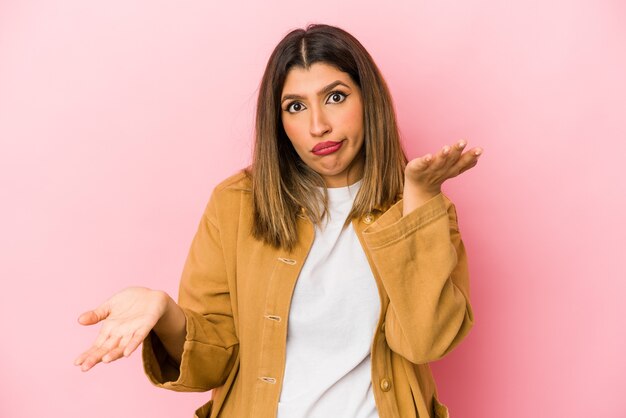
94,316
418,164
89,359
455,152
96,353
79,360
473,154
472,163
461,144
468,160
118,351
113,355
445,158
124,342
470,155
88,318
440,159
134,342
102,337
92,360
467,167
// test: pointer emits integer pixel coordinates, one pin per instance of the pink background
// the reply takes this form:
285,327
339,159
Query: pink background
117,119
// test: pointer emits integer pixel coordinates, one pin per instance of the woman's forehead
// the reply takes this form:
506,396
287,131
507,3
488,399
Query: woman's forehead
304,81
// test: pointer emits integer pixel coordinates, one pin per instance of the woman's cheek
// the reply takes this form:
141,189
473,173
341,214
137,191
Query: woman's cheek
356,117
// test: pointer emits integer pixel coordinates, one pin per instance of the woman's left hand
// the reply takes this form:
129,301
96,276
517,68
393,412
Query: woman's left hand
424,175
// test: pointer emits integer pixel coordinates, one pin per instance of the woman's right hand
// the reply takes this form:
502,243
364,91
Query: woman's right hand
127,318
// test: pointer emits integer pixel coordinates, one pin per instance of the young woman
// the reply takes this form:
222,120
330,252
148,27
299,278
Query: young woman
324,278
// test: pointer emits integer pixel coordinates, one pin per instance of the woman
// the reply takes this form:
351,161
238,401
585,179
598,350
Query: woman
323,278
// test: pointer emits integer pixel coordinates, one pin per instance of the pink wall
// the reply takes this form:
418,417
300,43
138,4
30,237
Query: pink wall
117,118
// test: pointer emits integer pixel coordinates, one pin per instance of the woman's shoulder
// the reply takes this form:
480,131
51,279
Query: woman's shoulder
229,194
240,181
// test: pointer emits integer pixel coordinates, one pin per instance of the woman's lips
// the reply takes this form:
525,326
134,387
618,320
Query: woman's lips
325,148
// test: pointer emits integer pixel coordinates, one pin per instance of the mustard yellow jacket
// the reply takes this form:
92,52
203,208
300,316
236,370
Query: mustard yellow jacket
236,291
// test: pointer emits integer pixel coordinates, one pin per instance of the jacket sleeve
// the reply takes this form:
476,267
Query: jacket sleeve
211,343
422,263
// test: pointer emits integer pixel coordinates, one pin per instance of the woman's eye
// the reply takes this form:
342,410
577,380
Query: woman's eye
295,107
337,97
334,98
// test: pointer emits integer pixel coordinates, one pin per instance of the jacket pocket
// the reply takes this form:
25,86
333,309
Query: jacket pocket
205,410
439,409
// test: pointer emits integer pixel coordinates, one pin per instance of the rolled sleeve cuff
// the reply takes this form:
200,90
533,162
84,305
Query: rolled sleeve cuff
163,371
392,226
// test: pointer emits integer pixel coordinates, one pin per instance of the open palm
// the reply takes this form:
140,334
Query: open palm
127,318
429,172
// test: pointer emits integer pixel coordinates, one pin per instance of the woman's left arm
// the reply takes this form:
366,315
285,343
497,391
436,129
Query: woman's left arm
418,252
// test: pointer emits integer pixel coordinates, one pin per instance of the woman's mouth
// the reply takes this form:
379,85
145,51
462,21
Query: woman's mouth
325,148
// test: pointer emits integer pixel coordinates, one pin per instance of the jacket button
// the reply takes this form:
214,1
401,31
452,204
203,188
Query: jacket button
368,218
385,384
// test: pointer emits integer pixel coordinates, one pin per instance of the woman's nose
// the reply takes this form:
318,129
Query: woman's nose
319,123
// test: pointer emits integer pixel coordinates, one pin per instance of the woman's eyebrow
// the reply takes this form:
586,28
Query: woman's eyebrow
323,91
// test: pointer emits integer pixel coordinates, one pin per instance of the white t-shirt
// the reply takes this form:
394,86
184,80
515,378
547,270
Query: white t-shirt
334,312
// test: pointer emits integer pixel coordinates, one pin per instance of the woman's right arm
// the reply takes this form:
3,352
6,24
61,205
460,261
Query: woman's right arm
171,329
127,318
192,345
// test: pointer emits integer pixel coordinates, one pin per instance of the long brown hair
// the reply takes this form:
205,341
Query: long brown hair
282,185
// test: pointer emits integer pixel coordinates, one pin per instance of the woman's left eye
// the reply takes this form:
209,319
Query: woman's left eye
337,97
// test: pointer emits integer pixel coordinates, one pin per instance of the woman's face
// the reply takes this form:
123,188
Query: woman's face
322,114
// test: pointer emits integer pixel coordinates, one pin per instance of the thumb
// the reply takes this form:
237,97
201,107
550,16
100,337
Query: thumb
94,316
420,163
